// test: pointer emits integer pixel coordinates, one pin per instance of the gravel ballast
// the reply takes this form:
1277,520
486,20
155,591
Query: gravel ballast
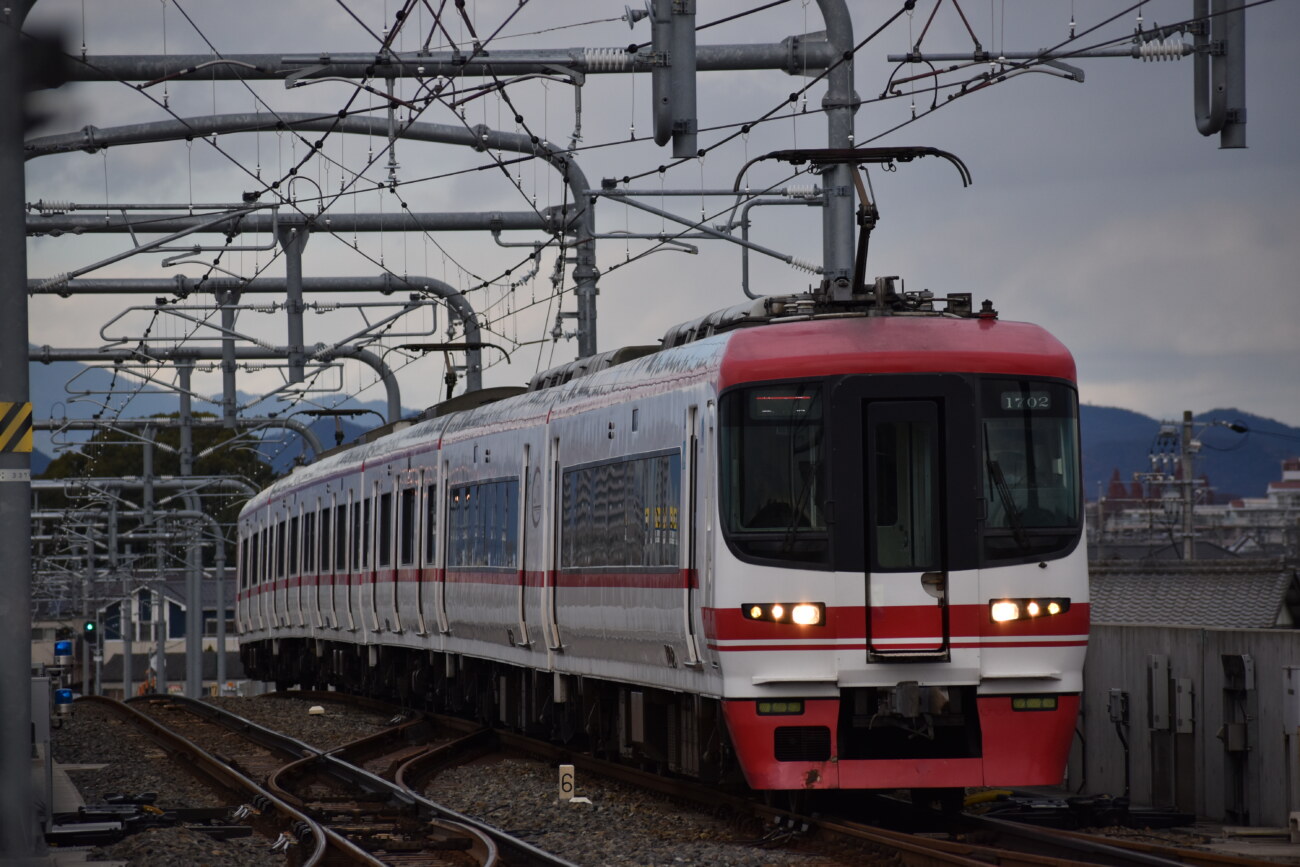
621,826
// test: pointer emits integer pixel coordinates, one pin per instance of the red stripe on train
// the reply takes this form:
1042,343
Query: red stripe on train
892,622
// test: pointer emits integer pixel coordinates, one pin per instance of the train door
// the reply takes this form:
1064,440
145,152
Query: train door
691,523
266,581
339,559
904,453
525,497
324,564
313,567
268,594
385,573
907,582
280,586
406,590
370,553
354,555
426,526
296,574
440,588
551,558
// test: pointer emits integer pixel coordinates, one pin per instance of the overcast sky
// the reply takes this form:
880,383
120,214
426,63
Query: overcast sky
1166,264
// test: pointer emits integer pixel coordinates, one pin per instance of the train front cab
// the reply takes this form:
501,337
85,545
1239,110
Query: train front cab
934,521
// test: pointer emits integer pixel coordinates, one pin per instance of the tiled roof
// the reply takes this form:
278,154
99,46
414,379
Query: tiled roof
1178,594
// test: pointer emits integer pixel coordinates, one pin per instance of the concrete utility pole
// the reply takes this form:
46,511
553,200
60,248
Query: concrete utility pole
20,840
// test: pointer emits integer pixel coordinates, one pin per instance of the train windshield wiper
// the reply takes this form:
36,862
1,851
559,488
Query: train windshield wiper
800,519
1008,504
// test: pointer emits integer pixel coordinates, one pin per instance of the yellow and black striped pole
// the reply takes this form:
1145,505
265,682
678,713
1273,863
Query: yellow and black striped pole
15,427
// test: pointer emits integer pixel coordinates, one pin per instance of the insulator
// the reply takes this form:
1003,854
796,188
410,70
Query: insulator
803,265
1158,51
606,59
58,281
53,207
803,192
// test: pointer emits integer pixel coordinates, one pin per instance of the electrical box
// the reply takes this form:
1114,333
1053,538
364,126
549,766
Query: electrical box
1117,705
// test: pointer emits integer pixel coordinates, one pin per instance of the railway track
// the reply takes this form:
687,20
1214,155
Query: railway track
270,817
958,840
376,800
335,812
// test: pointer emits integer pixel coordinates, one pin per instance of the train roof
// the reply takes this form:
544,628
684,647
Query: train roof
789,337
824,347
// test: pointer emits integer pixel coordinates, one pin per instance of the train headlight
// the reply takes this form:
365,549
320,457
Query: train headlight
1006,610
806,615
798,613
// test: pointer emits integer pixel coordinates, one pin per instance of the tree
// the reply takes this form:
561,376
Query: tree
116,453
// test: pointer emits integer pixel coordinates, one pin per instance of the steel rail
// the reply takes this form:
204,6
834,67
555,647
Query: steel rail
1095,849
482,847
275,741
206,764
1196,857
514,850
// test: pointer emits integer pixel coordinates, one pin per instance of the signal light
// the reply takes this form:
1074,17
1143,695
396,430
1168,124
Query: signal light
90,632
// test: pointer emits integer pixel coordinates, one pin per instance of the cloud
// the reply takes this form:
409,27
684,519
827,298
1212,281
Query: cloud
1097,210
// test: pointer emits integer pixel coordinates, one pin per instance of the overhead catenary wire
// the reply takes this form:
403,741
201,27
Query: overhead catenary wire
299,163
499,165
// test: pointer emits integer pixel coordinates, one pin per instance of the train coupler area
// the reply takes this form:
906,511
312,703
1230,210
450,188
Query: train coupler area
909,721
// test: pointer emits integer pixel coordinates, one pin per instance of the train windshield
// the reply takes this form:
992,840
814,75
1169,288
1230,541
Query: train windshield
773,472
1030,456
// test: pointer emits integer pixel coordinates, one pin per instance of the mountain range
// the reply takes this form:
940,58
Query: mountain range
1113,439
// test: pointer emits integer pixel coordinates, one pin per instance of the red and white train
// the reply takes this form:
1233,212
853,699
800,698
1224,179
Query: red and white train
830,547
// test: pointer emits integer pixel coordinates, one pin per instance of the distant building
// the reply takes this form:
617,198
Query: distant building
157,609
1145,522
